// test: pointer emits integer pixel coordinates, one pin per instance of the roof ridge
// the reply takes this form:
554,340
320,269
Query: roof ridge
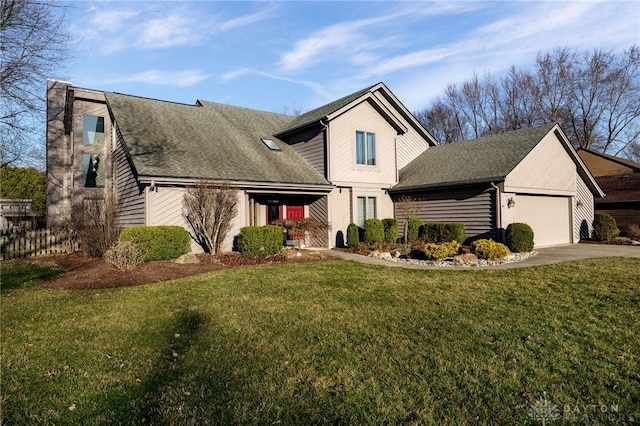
242,107
149,99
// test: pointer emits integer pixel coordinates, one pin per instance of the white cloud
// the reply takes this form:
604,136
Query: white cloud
182,79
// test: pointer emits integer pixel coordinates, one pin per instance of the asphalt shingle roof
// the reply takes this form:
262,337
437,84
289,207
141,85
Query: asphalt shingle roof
485,159
213,140
317,114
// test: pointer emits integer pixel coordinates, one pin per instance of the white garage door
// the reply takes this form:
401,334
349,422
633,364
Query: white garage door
549,217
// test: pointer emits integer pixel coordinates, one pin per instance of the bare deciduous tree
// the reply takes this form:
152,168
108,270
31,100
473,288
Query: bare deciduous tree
34,45
210,208
593,95
96,222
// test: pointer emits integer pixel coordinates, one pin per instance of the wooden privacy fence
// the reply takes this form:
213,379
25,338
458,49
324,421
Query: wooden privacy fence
40,241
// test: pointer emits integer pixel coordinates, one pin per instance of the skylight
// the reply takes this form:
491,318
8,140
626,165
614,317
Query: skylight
271,144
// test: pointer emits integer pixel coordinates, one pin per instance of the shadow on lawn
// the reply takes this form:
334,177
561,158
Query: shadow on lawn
202,376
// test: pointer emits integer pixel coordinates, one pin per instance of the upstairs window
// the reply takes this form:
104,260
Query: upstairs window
92,130
366,148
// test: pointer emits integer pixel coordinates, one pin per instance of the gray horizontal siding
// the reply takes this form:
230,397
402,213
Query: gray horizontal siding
130,194
475,207
311,146
318,211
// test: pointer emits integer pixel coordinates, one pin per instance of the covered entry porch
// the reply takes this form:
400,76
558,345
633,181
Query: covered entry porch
266,207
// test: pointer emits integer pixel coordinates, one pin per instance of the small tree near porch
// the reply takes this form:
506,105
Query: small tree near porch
210,208
300,227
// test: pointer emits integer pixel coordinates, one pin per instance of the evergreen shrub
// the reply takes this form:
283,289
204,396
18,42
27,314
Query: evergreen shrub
519,237
414,224
489,249
605,227
373,231
390,230
353,235
161,242
260,240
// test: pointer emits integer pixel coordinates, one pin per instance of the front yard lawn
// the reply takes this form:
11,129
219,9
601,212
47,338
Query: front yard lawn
328,343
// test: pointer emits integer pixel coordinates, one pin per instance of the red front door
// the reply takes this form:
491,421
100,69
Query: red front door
295,212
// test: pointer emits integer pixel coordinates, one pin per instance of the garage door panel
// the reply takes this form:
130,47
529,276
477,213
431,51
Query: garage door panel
549,217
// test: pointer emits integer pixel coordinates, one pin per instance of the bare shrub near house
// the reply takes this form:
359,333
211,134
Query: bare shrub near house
302,227
210,208
124,255
406,207
95,221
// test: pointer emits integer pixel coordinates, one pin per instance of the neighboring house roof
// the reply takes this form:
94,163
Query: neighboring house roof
623,161
208,140
482,160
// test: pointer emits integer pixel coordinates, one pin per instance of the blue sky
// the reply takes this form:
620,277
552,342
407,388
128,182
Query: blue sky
279,56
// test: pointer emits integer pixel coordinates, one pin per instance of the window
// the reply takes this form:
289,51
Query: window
366,148
92,130
92,171
366,209
271,144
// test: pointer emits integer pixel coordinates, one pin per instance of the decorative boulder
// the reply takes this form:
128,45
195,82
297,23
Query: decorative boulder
465,259
187,258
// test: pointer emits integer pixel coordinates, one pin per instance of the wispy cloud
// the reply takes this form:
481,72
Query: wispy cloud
162,25
182,78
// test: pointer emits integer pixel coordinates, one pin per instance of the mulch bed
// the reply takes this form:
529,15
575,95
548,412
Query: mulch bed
85,273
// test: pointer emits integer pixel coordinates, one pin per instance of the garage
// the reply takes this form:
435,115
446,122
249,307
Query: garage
549,217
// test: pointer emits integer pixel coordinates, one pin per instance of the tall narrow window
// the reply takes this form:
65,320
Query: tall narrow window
366,209
365,148
93,171
92,130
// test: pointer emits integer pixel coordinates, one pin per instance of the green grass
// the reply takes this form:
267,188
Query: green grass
327,343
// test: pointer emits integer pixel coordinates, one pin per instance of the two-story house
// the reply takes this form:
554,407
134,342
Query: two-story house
336,163
352,159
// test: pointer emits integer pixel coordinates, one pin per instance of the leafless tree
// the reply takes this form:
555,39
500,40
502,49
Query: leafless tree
210,208
34,44
593,95
96,222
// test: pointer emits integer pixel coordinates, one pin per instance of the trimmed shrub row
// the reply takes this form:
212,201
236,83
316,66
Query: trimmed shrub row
442,232
260,240
158,242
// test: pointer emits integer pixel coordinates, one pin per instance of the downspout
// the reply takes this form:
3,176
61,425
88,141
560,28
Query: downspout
499,235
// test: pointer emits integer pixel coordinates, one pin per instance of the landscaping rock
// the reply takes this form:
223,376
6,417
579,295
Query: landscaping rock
466,259
187,258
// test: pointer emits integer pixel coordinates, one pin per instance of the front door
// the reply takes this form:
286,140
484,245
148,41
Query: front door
295,212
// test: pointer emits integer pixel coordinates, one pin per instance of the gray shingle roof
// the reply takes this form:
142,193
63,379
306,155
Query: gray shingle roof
317,114
485,159
209,141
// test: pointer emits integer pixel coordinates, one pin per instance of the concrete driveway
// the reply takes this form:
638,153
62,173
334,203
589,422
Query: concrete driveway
546,255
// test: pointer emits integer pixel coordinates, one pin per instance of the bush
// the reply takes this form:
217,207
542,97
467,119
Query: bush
604,227
443,232
519,237
158,242
124,255
353,235
413,229
390,230
440,251
373,231
633,232
489,249
260,240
